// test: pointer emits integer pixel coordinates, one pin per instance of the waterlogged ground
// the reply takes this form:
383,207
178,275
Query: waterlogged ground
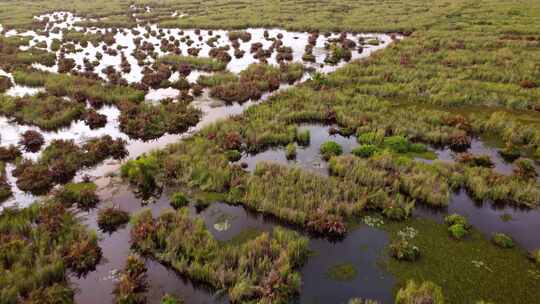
357,259
213,109
363,249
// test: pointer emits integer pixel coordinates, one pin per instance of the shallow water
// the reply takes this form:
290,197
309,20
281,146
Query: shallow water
213,109
479,147
487,217
306,157
522,224
363,248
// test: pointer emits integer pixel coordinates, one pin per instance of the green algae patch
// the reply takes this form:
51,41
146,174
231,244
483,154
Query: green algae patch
468,270
342,272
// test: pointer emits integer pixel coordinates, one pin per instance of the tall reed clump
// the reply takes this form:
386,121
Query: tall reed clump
318,203
485,184
262,269
132,283
40,245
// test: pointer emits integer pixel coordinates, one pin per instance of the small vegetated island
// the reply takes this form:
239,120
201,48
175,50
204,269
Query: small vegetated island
430,119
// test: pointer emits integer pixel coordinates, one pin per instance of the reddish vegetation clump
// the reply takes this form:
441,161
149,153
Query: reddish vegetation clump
527,84
327,224
94,119
32,140
459,140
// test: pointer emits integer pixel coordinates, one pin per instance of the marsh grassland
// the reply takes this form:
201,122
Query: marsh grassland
270,151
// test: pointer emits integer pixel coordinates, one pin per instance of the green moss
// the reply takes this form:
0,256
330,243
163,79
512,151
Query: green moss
342,272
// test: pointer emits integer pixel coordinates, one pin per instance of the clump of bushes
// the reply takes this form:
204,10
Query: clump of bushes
337,53
510,152
524,169
142,172
398,207
33,178
252,82
111,217
242,35
32,141
132,284
40,245
413,293
402,249
95,120
179,200
502,240
61,159
322,222
195,63
83,255
329,149
458,226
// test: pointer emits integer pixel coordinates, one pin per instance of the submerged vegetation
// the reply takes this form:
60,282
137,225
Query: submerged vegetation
454,264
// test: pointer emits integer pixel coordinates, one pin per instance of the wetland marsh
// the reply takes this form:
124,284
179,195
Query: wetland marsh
269,152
